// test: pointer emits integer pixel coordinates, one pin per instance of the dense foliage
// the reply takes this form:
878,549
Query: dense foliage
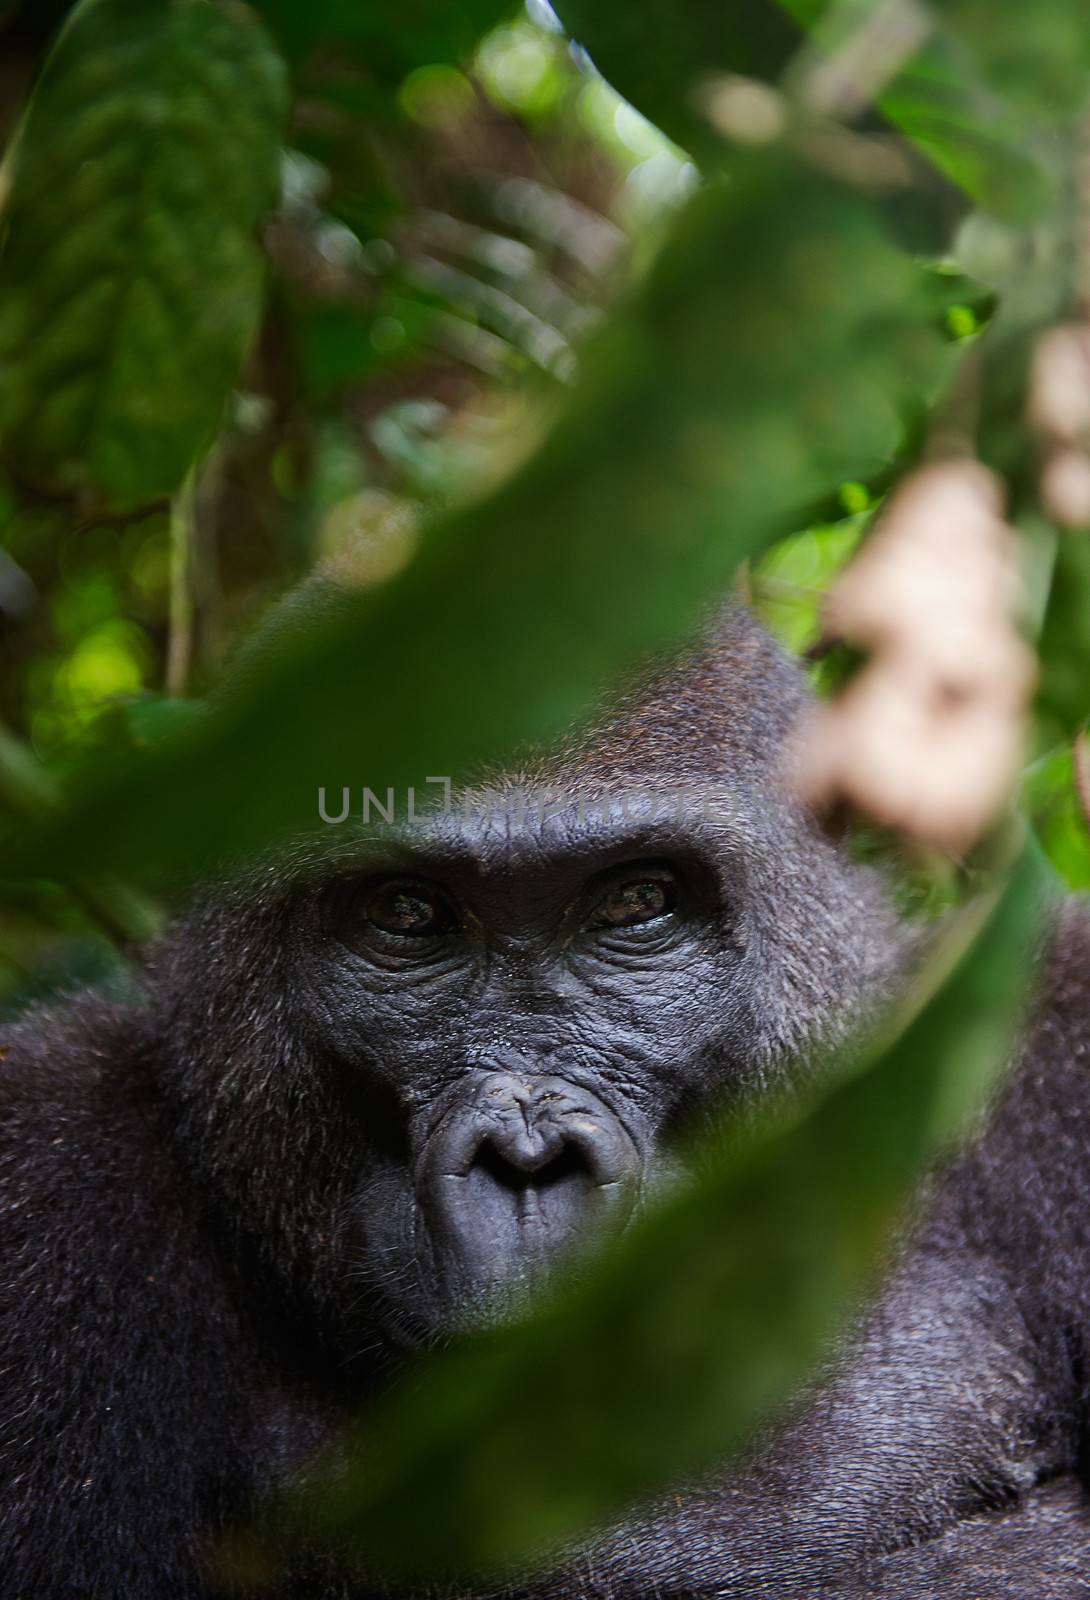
411,295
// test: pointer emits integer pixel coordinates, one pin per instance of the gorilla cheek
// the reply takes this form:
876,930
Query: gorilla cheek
519,1168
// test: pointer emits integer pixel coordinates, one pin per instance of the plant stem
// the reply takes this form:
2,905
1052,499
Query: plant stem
183,538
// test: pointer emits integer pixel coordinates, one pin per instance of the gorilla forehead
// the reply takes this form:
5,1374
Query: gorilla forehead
530,835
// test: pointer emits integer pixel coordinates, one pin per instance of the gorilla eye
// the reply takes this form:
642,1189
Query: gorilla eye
634,901
411,909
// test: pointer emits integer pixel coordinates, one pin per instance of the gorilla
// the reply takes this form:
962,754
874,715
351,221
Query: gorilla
364,1095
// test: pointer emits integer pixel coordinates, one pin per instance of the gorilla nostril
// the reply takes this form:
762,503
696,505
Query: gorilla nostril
517,1171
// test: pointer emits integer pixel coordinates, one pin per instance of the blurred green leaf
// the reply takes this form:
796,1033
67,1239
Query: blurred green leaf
27,789
40,15
1063,691
948,97
146,719
1051,798
950,100
659,54
393,40
767,358
1037,55
790,583
727,1293
130,275
995,153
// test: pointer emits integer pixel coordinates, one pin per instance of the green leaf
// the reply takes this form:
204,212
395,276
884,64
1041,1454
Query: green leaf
996,154
1052,801
130,274
726,1295
766,359
391,40
1036,56
660,53
954,101
1063,691
948,98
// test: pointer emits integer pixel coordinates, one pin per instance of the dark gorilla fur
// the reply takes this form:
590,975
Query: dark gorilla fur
223,1219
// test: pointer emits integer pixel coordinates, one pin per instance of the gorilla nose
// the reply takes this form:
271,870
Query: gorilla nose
521,1167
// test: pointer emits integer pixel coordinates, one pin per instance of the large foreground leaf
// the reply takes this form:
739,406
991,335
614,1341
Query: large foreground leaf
130,274
702,1322
768,356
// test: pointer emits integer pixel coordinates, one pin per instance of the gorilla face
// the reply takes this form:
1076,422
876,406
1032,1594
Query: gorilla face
411,1072
529,1009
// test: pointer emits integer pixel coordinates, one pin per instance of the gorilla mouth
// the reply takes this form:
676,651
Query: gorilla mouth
534,1187
519,1172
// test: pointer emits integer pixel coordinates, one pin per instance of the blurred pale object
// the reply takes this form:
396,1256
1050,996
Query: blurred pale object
1059,394
1080,756
743,109
1059,413
1065,487
927,737
368,538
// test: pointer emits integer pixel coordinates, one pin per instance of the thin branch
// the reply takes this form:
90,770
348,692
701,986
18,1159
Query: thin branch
1081,762
183,539
841,76
1082,219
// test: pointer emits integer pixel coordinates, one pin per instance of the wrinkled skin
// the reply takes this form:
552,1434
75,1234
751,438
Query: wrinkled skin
376,1091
